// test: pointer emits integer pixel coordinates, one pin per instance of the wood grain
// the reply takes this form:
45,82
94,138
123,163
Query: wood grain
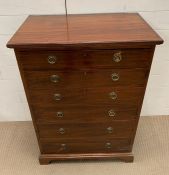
84,146
82,114
64,31
90,96
121,129
45,159
41,80
37,59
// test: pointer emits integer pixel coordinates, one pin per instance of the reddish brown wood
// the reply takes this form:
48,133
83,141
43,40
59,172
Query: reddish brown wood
39,80
86,130
105,29
28,97
45,159
84,46
85,59
89,96
85,146
82,114
104,78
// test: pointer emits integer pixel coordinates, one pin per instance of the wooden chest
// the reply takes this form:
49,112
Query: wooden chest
85,78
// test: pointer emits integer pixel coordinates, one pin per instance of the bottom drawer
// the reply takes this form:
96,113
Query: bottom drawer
107,146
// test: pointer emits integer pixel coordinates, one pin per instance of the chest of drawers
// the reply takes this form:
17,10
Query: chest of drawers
85,78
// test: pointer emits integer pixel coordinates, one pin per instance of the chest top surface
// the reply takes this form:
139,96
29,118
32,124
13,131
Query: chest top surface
61,30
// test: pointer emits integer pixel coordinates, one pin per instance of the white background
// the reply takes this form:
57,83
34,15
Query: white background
13,104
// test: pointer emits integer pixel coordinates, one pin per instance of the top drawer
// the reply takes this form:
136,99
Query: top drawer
86,59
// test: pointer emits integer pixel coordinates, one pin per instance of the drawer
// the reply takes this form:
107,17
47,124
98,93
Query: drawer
117,96
85,79
49,146
84,59
116,77
82,114
54,79
85,130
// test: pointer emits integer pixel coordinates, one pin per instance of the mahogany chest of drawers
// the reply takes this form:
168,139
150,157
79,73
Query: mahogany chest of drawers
85,78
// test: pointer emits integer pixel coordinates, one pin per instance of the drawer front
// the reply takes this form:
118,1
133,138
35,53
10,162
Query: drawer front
82,130
116,77
117,96
106,146
88,79
54,79
82,114
123,58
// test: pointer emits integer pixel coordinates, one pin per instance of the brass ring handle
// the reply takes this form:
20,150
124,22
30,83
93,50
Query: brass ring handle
63,146
115,76
57,97
85,54
108,145
52,59
117,57
113,95
111,113
60,114
54,78
110,129
61,130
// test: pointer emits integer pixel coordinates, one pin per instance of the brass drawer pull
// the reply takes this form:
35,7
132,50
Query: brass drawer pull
108,145
52,59
54,78
57,97
115,76
117,57
85,54
113,95
63,146
60,114
61,130
111,113
110,129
